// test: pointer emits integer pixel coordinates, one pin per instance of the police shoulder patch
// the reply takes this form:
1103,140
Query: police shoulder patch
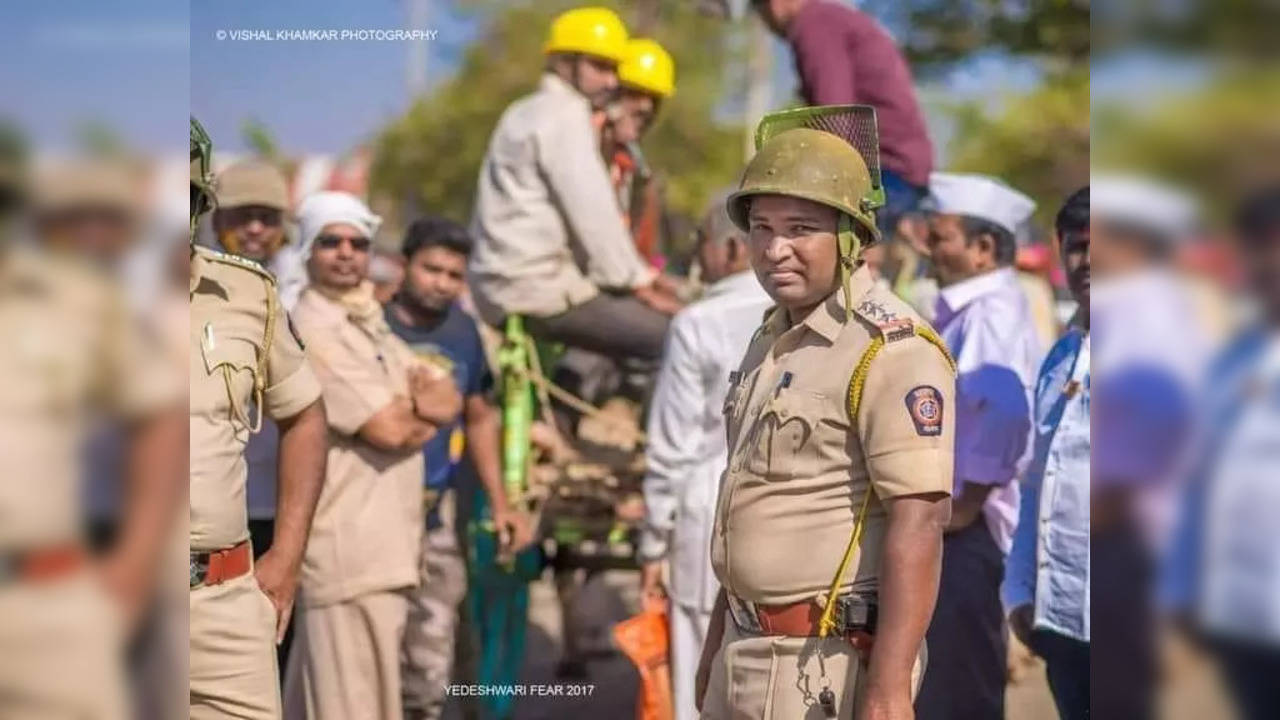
924,404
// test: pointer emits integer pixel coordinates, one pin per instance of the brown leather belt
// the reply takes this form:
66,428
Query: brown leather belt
799,619
219,566
43,564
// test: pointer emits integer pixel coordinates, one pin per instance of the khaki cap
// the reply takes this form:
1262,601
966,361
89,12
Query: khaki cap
252,182
94,184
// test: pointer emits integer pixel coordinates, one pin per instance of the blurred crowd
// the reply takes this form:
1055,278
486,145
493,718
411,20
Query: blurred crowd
354,543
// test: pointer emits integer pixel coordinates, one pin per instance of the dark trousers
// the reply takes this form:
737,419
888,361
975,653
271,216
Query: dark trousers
1122,628
620,327
1252,674
967,639
1067,666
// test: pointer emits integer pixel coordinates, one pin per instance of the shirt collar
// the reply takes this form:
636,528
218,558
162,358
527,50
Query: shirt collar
955,297
827,320
197,269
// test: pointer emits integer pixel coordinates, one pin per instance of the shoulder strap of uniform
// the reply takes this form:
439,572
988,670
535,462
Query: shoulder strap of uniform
237,261
269,327
892,329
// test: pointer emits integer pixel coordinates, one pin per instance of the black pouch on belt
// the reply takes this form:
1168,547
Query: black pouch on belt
857,612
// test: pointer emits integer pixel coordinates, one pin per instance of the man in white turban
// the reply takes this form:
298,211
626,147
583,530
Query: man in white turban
383,405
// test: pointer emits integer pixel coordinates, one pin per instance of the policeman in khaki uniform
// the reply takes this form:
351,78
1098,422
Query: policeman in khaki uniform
245,363
253,197
840,436
71,350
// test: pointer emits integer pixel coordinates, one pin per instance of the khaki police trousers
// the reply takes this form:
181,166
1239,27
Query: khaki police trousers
779,678
233,652
345,661
60,651
426,661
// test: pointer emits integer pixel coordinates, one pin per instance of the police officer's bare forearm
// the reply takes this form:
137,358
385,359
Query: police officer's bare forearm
300,473
910,569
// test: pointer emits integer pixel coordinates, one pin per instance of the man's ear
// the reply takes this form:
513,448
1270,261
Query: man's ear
987,245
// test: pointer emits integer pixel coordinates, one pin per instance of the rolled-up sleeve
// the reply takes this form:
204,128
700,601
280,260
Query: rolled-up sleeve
993,416
906,420
580,183
291,383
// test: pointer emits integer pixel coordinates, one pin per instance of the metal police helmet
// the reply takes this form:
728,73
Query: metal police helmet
809,164
202,195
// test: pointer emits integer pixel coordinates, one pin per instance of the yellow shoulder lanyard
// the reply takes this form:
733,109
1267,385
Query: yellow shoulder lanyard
827,623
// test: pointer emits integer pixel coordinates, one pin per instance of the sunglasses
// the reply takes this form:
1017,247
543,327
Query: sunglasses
331,242
246,214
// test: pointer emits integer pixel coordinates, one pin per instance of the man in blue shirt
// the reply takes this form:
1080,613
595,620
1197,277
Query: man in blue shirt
1046,584
1223,574
426,315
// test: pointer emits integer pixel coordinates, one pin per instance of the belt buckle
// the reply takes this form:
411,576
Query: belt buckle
744,616
199,569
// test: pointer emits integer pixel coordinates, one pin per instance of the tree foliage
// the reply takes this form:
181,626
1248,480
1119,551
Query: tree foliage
1218,141
427,160
1038,142
940,32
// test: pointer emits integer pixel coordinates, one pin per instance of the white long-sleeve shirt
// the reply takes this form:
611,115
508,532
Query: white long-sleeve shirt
547,228
687,450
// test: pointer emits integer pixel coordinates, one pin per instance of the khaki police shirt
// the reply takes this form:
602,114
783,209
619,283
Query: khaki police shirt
799,465
230,298
368,525
70,350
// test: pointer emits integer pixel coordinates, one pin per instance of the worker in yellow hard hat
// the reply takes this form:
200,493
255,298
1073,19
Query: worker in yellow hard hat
646,77
584,48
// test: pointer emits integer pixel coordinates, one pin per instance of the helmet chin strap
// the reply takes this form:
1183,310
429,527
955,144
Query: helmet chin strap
849,246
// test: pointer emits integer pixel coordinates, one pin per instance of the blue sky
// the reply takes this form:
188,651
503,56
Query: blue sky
124,65
134,67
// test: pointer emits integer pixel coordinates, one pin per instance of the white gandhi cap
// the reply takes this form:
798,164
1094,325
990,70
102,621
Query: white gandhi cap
978,196
1163,210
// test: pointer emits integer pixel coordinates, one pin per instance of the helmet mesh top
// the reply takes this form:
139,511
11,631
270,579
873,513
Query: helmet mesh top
855,124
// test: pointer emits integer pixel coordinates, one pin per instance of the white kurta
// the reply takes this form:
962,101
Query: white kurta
687,454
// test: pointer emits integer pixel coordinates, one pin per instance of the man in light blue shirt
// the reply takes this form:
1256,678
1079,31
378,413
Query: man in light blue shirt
1046,584
985,320
1223,573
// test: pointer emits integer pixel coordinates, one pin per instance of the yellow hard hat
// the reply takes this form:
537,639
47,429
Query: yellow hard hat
589,30
648,67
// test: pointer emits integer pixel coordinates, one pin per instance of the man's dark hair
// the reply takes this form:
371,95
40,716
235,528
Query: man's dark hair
1074,215
1259,215
435,231
1006,247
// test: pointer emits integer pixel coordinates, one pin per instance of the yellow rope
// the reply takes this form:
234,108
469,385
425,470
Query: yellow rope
827,623
577,403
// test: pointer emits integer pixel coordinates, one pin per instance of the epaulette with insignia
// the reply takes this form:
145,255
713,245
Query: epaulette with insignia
891,326
246,263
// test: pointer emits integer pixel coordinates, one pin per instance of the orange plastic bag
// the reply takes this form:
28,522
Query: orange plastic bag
646,641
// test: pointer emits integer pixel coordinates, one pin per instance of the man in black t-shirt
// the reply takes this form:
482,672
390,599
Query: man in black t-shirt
426,315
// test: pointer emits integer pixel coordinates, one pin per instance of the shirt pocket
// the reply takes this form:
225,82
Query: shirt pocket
782,435
232,365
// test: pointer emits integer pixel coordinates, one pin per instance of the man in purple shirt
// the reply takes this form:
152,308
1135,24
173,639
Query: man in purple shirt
843,56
